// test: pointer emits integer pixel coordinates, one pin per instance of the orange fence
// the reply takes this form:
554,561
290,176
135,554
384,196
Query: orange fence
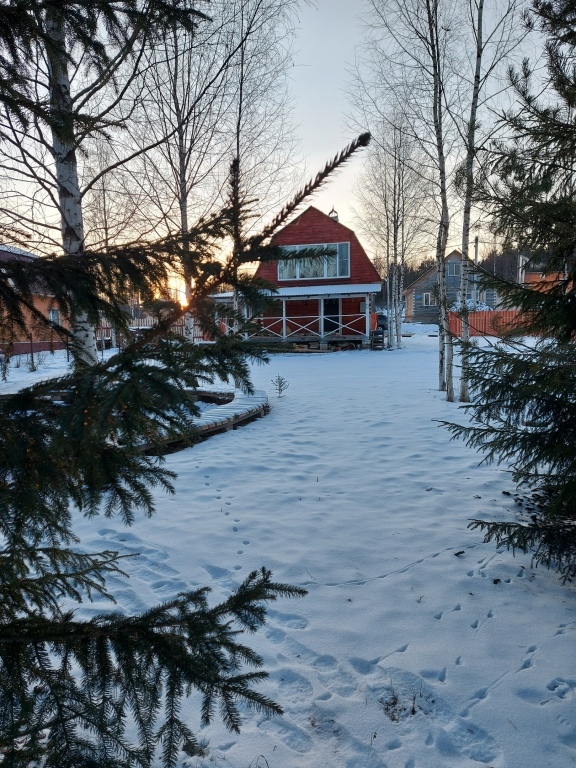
489,323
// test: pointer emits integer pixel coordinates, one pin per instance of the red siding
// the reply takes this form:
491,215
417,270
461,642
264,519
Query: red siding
314,228
488,323
350,312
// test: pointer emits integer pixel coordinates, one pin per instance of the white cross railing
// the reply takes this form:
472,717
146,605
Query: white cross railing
306,325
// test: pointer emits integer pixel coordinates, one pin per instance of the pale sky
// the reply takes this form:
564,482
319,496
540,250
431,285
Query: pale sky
329,33
324,51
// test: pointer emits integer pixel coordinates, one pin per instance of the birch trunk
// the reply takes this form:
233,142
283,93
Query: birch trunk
392,320
445,380
64,153
400,303
470,154
184,226
389,332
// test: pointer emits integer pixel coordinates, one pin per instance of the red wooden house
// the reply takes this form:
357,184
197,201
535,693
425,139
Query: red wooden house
37,338
325,301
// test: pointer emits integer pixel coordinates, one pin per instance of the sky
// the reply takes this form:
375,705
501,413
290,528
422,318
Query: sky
329,31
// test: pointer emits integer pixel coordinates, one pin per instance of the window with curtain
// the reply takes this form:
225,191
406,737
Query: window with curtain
335,265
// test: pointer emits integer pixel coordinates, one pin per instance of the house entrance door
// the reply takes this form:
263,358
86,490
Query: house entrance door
331,316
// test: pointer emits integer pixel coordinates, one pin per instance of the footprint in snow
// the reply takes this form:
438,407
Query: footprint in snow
562,688
339,682
292,686
402,696
290,734
566,731
476,624
434,674
148,568
528,661
291,620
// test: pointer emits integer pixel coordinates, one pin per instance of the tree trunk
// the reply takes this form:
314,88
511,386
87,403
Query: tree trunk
64,153
470,153
444,372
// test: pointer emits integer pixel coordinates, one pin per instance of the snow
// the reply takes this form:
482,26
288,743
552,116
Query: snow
418,646
472,306
308,291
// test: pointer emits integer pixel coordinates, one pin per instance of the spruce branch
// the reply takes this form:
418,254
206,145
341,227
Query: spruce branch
311,187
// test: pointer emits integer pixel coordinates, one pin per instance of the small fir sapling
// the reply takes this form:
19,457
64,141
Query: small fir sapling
280,385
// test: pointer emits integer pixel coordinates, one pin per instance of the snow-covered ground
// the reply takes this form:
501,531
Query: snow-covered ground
418,646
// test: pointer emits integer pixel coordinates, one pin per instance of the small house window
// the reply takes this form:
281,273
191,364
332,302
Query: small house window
335,265
54,316
429,300
453,269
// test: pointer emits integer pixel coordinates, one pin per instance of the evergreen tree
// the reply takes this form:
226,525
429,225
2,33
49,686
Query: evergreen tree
107,692
525,406
70,687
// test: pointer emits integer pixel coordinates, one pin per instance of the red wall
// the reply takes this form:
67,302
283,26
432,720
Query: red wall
489,323
302,317
314,228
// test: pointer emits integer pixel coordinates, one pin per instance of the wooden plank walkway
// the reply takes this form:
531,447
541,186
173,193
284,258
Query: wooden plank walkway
240,410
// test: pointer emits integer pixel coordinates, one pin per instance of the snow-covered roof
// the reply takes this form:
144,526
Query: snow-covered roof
310,291
13,251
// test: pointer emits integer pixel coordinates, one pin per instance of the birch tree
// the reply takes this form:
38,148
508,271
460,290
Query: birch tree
76,53
394,199
496,31
204,96
83,64
412,58
407,62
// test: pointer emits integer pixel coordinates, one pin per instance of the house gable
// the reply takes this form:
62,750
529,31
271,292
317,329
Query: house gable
313,227
420,296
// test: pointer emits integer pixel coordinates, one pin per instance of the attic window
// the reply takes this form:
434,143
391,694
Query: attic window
453,269
319,268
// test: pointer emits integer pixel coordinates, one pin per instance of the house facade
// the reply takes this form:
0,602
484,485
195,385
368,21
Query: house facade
37,337
320,302
421,297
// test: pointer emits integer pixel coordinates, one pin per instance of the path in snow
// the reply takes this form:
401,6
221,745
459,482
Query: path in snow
418,646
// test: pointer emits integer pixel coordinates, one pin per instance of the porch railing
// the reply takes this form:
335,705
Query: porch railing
305,325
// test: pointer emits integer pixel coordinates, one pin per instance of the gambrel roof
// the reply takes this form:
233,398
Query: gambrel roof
312,227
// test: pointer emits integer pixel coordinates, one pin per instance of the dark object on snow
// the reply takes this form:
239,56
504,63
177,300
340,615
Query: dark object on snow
382,322
377,339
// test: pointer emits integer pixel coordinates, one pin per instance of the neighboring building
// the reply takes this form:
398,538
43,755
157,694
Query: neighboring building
421,296
36,338
320,302
540,282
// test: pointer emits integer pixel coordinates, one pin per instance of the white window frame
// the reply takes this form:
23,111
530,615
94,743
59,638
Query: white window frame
54,315
454,269
428,299
299,263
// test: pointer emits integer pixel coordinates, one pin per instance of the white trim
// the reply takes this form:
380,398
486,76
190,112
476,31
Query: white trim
313,291
17,251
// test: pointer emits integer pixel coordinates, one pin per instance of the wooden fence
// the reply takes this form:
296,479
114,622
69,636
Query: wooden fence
489,323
